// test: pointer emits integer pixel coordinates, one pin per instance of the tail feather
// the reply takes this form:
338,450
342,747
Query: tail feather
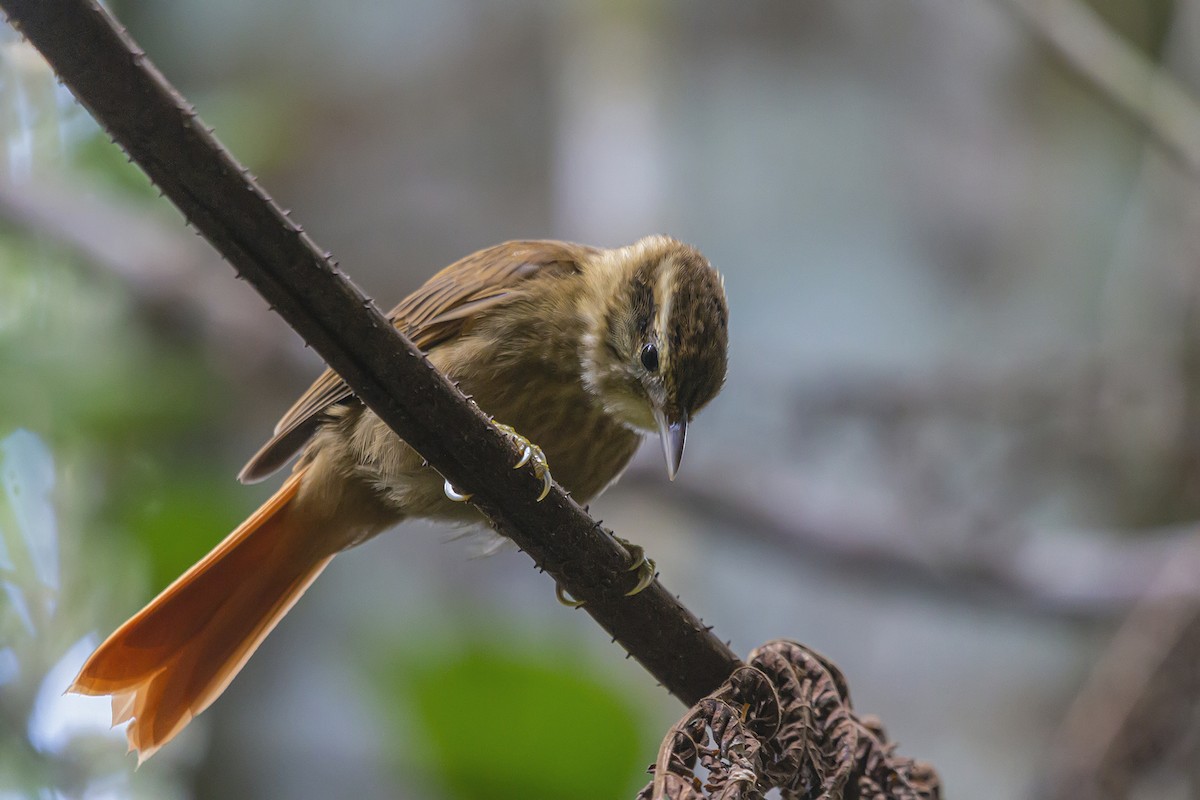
175,656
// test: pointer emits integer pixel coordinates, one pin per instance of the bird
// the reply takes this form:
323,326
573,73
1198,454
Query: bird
575,351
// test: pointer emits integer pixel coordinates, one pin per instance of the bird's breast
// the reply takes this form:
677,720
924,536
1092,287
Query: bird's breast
546,402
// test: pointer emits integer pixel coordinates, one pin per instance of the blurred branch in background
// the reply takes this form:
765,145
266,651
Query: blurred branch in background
1133,725
930,536
1133,729
169,273
1075,574
1137,86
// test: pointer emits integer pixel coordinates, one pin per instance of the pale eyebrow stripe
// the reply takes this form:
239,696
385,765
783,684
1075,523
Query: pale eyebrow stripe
662,302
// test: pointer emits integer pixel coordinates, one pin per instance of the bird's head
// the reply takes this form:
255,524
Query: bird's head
655,351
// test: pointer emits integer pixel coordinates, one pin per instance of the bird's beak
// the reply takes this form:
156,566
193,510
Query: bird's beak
672,435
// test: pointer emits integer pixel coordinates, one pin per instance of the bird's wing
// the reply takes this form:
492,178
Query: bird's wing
443,308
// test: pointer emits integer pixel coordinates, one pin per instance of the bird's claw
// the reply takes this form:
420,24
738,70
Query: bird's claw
454,494
530,454
561,594
644,567
526,454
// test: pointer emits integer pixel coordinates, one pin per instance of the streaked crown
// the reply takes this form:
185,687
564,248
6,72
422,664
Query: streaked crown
658,346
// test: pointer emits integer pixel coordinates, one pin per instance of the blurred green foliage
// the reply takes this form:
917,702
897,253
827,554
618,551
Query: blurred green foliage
111,396
76,361
500,721
80,367
97,157
1146,23
177,518
51,745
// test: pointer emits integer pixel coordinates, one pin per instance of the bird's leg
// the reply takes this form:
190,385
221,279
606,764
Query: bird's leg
530,454
644,567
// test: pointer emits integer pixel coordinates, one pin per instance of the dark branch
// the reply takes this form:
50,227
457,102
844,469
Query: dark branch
160,131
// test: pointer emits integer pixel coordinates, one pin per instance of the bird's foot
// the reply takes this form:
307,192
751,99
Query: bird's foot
530,454
644,567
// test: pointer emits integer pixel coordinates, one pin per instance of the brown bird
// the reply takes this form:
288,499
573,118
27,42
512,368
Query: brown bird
580,349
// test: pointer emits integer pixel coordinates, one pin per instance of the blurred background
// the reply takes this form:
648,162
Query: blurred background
958,451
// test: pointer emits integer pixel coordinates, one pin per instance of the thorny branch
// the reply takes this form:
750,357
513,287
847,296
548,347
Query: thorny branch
784,722
161,132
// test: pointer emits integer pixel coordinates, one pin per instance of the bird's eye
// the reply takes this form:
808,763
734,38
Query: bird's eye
650,358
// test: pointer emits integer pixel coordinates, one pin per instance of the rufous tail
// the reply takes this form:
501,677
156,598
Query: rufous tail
175,656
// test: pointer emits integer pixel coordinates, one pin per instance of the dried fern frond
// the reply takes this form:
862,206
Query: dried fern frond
784,721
